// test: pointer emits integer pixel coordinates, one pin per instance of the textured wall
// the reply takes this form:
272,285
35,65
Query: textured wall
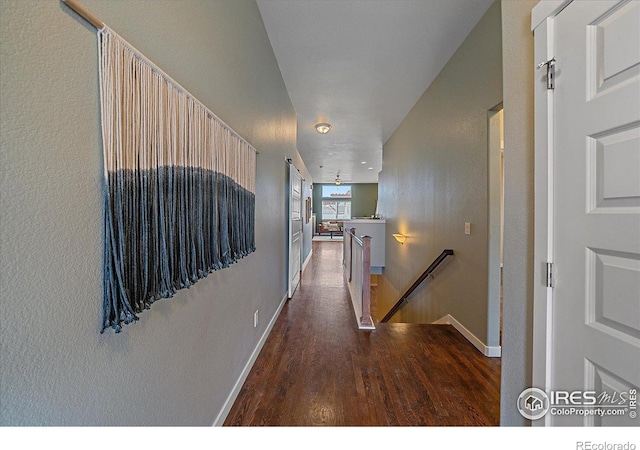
366,196
517,326
434,179
178,364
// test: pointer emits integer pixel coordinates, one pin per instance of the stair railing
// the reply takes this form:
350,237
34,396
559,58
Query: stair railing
356,260
425,274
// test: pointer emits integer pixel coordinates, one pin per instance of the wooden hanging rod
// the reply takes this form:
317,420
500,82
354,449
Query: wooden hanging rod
84,13
99,24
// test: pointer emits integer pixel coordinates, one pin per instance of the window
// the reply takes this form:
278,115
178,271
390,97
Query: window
336,202
336,209
331,191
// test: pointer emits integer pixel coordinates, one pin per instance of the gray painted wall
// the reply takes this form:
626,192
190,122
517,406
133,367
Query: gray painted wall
365,197
178,364
434,179
517,331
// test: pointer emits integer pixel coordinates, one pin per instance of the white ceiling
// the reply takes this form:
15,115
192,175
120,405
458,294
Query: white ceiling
360,65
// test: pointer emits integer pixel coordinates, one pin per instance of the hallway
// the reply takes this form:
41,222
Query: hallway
317,368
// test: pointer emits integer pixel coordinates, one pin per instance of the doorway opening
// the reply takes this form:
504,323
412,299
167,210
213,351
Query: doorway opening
495,197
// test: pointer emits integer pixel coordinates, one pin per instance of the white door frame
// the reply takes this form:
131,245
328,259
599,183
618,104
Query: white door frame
294,174
494,320
542,18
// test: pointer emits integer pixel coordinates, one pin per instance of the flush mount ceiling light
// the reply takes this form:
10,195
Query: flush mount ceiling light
323,128
338,180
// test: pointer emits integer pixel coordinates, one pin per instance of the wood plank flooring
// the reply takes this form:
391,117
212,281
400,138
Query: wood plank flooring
317,368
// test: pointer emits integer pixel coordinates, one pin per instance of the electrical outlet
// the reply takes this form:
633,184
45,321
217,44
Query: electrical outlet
467,228
255,318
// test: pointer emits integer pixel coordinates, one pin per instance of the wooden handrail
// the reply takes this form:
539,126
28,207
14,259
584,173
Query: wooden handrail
417,283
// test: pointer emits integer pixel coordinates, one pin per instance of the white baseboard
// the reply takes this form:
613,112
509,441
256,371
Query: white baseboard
357,310
231,398
492,352
306,261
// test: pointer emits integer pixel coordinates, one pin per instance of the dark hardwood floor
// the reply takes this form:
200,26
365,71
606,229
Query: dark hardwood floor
317,368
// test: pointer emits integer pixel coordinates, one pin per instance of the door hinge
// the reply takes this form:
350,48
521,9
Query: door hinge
549,274
551,72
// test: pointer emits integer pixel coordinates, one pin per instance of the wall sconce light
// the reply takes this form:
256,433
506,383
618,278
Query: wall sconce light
323,128
338,180
400,237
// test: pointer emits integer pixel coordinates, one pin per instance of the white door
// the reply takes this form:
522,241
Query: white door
595,336
295,228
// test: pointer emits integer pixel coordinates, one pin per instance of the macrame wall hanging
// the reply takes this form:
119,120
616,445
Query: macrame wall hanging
179,196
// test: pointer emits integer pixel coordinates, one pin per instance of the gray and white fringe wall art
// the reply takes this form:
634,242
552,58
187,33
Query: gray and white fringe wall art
179,185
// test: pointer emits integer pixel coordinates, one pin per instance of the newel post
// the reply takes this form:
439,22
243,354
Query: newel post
352,233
